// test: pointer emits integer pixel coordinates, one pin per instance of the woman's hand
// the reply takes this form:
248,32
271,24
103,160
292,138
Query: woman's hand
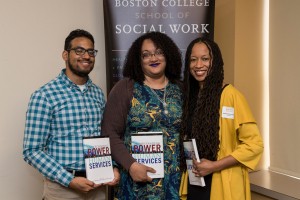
206,167
138,172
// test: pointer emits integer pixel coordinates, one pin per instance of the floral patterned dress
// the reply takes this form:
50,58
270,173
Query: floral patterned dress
146,113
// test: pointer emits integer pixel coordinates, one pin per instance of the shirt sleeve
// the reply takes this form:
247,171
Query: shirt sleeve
249,151
114,122
37,132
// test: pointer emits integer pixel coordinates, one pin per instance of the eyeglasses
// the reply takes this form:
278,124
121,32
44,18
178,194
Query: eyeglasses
147,55
81,51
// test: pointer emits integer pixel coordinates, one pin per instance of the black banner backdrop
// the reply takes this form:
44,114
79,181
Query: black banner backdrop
126,20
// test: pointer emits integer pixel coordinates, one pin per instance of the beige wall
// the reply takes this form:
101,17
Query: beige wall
239,33
32,35
225,35
284,86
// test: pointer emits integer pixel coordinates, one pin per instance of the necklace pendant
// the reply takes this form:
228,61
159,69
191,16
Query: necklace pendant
166,112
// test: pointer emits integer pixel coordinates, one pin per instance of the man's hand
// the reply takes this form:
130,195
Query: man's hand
82,184
116,179
138,172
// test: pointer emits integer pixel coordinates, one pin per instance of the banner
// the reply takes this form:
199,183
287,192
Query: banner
126,20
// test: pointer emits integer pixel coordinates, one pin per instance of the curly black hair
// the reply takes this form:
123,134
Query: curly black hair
200,118
132,66
76,34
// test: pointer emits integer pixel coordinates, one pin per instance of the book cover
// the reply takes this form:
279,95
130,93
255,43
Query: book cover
191,152
147,149
98,161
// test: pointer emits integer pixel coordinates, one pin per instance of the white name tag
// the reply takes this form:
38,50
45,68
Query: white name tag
228,112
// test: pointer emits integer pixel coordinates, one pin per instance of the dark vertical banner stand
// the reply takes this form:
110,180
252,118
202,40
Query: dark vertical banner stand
126,20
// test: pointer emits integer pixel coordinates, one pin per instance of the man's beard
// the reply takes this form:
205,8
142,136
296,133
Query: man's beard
82,74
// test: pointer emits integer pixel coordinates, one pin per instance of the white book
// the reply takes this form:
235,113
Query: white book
98,161
191,152
147,149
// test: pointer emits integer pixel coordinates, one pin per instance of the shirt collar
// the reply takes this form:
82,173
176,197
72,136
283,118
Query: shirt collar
69,83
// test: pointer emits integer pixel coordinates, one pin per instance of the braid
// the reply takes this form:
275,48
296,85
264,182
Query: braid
201,105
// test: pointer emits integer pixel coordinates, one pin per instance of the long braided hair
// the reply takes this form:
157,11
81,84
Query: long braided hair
200,118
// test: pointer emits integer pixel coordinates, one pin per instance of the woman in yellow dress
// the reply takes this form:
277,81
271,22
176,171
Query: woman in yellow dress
218,117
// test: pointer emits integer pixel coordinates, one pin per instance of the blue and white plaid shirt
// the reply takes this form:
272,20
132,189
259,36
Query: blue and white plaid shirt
59,115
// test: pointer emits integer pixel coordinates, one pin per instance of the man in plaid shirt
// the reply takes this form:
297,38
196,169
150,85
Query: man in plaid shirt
59,115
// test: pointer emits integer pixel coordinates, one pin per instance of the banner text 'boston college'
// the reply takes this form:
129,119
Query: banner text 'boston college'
126,20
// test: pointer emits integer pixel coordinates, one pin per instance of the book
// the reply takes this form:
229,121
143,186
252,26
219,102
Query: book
98,161
191,152
147,149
